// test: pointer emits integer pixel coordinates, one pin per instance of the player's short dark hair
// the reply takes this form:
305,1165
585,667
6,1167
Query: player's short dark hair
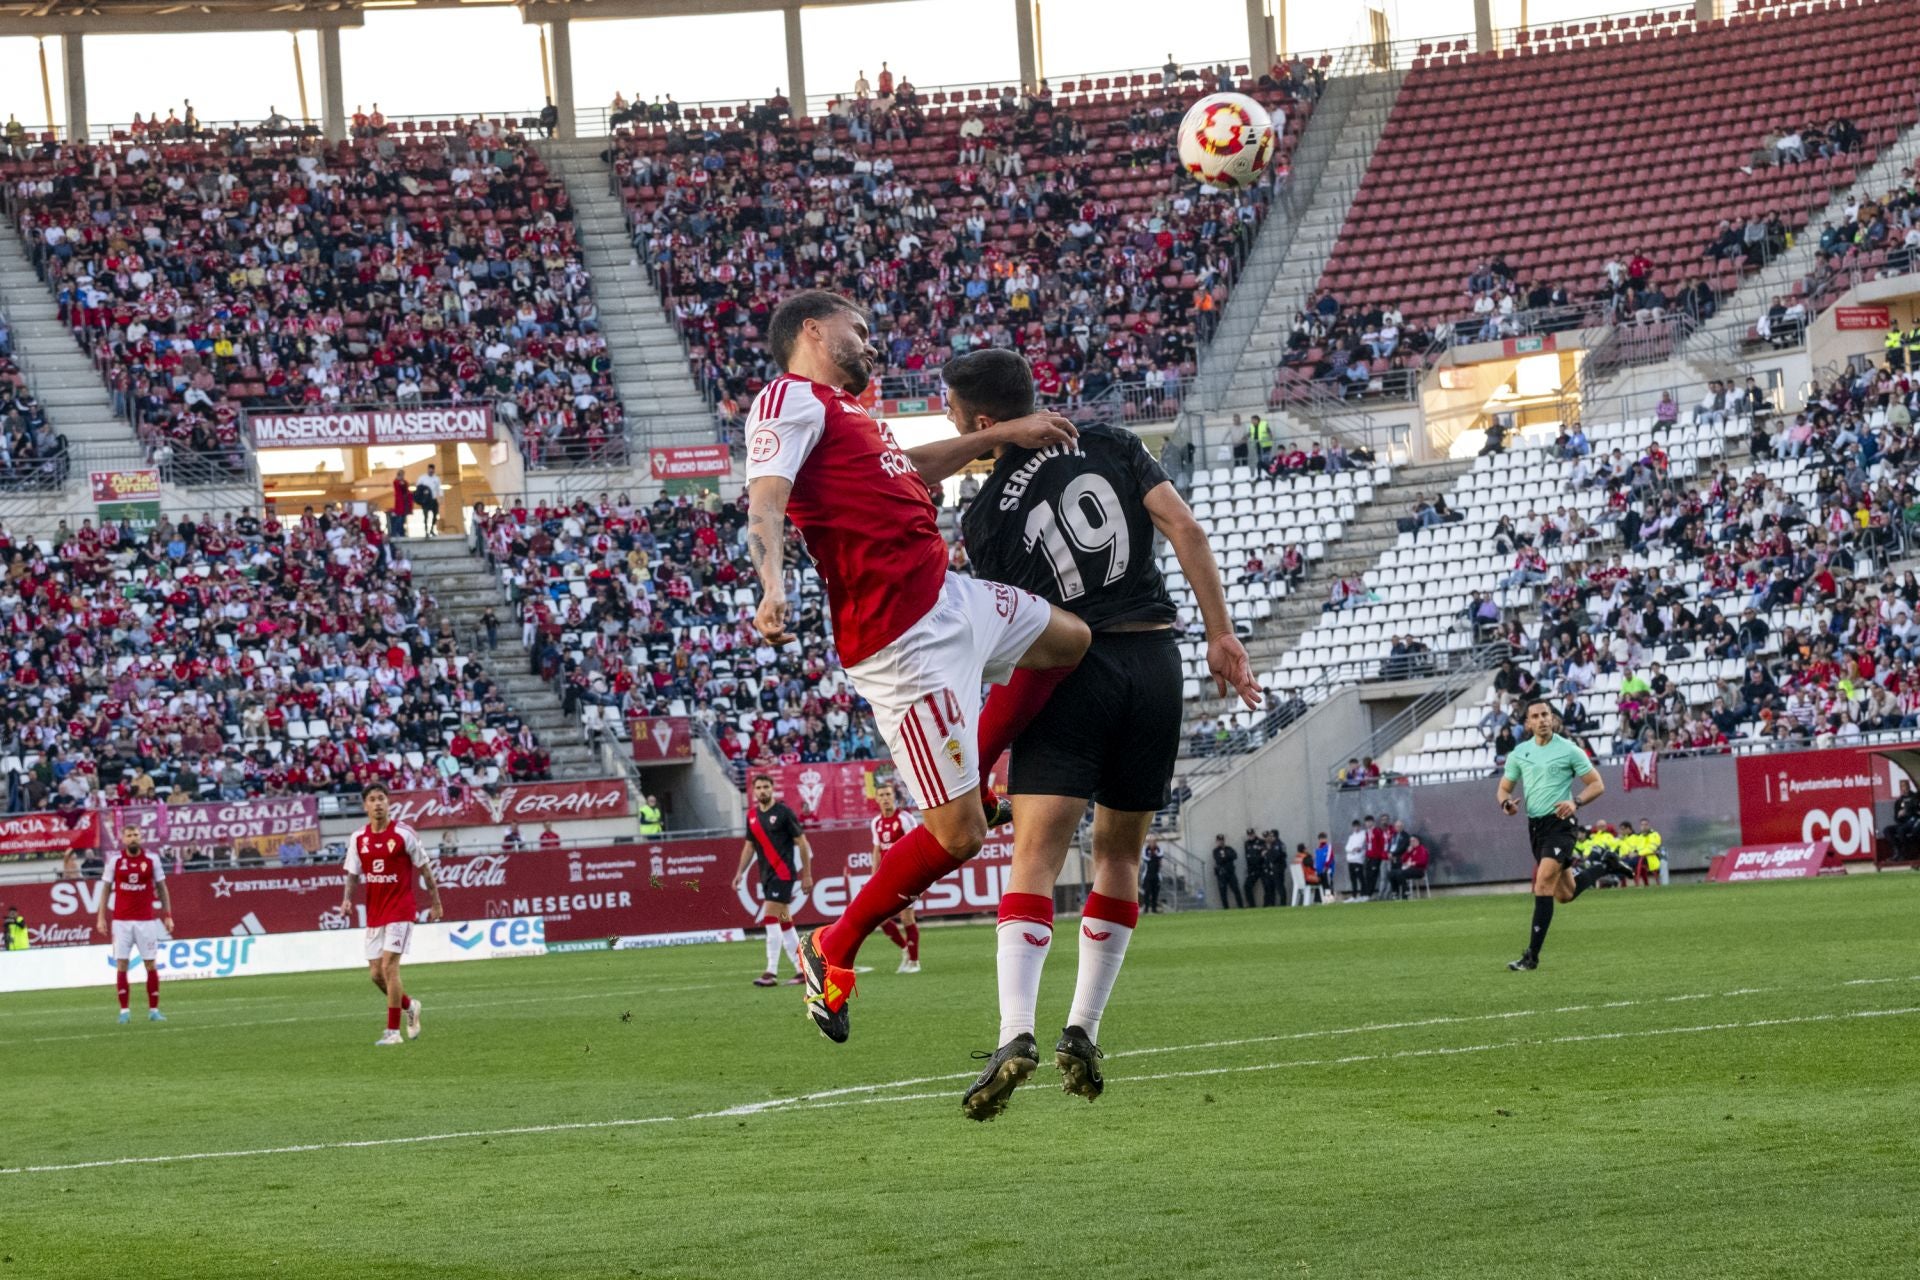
1531,703
993,381
783,328
761,777
372,787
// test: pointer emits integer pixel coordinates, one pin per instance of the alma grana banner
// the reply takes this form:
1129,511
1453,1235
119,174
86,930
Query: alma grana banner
439,424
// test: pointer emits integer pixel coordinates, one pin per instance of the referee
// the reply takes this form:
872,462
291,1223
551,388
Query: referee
1546,766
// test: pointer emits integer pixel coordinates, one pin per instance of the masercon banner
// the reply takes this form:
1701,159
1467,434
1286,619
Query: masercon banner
444,424
676,887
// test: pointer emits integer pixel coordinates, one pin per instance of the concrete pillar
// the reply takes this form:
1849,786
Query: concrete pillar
1483,26
1705,10
560,49
333,95
1023,28
1259,44
73,53
796,65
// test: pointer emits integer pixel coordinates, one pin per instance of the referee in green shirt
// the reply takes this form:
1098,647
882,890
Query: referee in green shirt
1547,766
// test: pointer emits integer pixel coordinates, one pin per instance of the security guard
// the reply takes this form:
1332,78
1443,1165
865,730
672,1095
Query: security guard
1913,346
1650,849
1260,436
1256,851
1150,866
16,925
650,823
1896,350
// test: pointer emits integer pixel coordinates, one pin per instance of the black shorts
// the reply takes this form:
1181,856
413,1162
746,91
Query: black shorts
1553,837
774,889
1111,731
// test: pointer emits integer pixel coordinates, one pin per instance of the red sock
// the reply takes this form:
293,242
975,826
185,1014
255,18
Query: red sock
393,1017
406,1001
906,872
120,985
1010,708
1117,910
913,943
153,988
892,929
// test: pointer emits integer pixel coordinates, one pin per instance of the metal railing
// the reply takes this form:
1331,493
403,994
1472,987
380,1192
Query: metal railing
1453,682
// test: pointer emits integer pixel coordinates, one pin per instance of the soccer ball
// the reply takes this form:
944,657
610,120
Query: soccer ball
1227,139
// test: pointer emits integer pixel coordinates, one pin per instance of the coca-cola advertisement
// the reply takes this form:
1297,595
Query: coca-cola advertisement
671,887
663,739
252,827
526,803
46,835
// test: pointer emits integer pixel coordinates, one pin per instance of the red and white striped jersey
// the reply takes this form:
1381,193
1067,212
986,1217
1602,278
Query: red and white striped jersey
387,862
863,509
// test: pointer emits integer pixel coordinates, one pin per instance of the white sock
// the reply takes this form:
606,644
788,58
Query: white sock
773,946
1103,945
1026,935
790,943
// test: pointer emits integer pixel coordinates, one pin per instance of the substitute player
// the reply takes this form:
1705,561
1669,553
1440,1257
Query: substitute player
133,879
917,640
388,856
1546,766
890,827
1075,523
775,837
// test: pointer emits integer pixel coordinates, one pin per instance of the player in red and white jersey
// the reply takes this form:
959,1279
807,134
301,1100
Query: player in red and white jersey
890,826
133,879
917,640
388,856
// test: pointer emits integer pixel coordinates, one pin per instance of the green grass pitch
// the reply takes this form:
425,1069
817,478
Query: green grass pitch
1699,1082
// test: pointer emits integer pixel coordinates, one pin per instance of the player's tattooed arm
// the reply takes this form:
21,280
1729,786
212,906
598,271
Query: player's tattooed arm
766,552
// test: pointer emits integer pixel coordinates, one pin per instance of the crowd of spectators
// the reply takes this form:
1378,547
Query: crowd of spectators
213,273
244,656
1771,568
648,610
1351,351
32,454
1065,230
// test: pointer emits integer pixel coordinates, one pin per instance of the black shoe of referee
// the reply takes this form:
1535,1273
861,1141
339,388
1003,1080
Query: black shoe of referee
1078,1058
1007,1069
1527,960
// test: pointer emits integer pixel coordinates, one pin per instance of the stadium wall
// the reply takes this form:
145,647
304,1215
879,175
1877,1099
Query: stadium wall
1282,785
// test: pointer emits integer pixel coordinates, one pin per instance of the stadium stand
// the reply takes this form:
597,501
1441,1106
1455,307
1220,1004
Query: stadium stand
1056,225
32,453
205,276
1572,171
1758,606
648,611
235,658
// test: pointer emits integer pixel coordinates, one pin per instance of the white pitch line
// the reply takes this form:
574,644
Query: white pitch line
813,1104
176,1026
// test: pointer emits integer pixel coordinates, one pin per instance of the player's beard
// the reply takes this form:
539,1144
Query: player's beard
851,360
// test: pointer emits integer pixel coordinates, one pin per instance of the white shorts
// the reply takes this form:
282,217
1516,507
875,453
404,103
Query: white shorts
136,935
925,686
389,937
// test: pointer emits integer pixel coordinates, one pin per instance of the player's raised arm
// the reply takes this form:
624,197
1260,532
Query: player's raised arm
938,459
1226,656
766,551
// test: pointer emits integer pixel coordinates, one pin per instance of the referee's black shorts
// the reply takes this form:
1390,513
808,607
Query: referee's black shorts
1111,731
1553,837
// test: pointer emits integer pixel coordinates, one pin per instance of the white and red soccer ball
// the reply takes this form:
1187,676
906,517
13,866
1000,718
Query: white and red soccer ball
1228,140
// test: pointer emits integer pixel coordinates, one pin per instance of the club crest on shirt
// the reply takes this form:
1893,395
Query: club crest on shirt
956,753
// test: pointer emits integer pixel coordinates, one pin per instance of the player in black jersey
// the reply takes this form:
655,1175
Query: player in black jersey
775,837
1075,524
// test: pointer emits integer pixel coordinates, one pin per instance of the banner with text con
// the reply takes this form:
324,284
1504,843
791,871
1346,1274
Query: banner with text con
438,425
673,887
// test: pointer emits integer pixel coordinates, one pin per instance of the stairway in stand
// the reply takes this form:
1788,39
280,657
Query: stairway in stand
464,588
